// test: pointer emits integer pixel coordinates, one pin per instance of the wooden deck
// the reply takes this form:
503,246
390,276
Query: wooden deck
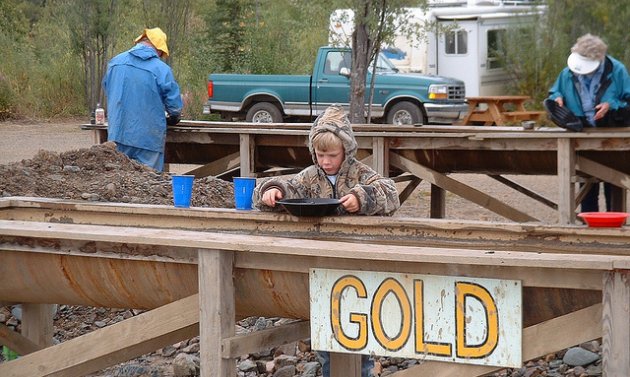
414,154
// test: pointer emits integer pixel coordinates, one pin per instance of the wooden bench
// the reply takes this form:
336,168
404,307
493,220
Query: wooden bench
516,116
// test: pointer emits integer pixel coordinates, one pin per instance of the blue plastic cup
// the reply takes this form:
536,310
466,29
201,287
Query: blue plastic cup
182,190
243,191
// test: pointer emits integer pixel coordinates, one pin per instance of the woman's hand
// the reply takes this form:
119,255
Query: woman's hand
559,101
602,109
270,196
350,203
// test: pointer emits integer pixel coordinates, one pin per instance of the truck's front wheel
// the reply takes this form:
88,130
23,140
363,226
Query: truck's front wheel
405,113
264,112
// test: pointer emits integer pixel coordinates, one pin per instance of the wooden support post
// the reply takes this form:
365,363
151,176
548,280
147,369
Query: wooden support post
616,324
247,155
566,181
217,312
37,323
380,151
438,202
345,365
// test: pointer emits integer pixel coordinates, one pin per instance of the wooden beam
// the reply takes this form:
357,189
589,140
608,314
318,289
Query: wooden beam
217,167
255,341
345,365
603,172
566,181
16,341
113,344
538,340
524,190
380,153
616,324
37,323
246,151
217,317
460,189
438,202
408,190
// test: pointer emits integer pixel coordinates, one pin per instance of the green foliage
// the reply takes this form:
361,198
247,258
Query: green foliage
45,70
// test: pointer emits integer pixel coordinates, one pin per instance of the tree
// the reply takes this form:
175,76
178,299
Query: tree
93,27
375,22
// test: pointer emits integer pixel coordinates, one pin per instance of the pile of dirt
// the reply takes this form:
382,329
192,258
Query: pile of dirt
101,173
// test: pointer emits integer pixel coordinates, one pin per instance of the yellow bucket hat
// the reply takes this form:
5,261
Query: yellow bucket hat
157,38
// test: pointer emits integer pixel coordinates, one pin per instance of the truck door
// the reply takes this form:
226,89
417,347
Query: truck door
458,54
330,87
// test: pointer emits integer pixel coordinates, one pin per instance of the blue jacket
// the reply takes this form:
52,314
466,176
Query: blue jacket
140,88
614,89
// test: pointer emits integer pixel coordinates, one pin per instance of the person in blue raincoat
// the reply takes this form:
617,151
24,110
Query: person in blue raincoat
141,91
596,88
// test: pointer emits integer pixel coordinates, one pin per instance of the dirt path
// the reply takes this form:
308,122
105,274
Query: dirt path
22,140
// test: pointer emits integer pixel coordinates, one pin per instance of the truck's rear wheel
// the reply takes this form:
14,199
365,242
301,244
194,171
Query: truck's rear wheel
405,113
264,112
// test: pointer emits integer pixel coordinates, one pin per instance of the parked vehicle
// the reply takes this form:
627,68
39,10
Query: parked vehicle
398,98
472,37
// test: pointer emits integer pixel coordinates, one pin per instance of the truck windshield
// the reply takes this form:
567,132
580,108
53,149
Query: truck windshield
383,65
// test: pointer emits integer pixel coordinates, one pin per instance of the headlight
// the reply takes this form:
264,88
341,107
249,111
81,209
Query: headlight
438,91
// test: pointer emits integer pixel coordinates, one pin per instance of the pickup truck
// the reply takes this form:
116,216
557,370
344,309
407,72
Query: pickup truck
398,98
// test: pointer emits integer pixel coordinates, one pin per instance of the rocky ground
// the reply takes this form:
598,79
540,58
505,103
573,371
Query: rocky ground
59,161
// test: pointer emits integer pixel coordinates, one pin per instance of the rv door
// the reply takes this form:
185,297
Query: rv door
458,53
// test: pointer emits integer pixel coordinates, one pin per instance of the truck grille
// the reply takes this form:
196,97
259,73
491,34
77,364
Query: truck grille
456,92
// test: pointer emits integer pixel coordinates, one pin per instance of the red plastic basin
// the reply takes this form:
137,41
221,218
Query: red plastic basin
604,219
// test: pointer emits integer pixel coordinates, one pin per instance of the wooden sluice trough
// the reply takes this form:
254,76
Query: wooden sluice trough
197,270
427,153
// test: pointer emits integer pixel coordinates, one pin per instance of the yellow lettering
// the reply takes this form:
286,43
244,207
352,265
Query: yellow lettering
395,343
347,282
466,291
423,346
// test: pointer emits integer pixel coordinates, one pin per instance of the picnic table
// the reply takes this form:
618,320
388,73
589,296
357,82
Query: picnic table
499,110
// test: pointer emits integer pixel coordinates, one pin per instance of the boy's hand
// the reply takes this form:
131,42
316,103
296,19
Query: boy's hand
350,203
270,196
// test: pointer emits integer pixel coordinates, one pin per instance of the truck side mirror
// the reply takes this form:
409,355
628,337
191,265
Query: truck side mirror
344,71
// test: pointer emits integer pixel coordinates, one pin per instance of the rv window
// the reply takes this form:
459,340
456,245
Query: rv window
456,42
496,48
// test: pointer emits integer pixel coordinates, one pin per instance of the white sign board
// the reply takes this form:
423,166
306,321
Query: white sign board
444,318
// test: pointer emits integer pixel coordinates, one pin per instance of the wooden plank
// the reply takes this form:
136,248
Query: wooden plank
408,190
603,172
345,365
217,167
538,340
380,153
37,323
217,315
255,341
246,151
524,190
125,340
306,247
438,202
460,189
16,342
616,324
566,181
553,278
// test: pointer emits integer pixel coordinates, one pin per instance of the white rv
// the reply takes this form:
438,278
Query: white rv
466,51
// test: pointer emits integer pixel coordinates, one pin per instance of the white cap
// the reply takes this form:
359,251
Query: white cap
581,65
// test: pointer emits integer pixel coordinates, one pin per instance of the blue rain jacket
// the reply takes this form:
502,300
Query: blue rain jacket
140,88
614,88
